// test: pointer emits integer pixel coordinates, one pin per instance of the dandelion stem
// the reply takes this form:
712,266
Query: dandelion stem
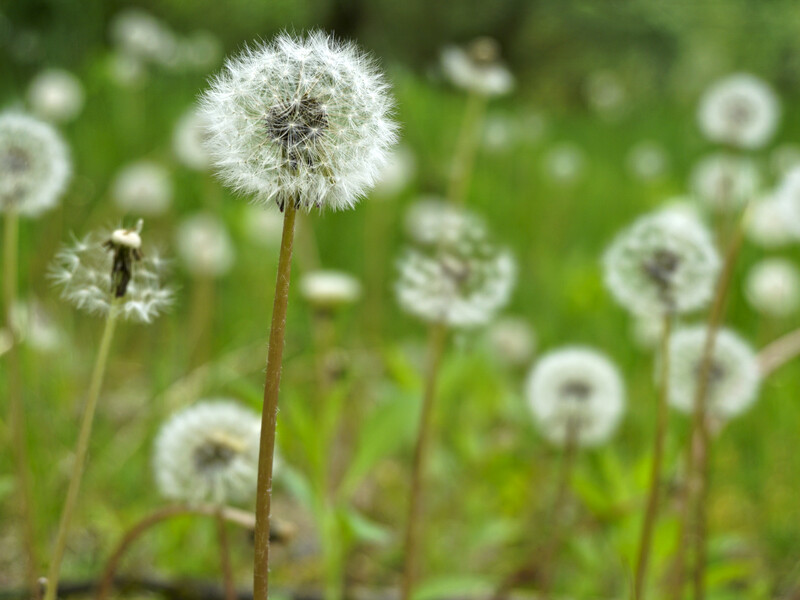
269,416
225,555
467,148
81,450
438,338
16,414
239,517
651,512
779,352
699,434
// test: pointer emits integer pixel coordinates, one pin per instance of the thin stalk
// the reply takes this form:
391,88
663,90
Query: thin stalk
467,148
16,413
225,556
651,513
106,581
699,433
269,415
779,352
437,342
81,450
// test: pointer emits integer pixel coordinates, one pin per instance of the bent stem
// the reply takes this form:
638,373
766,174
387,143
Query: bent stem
81,450
239,517
269,415
438,337
225,555
466,148
651,513
779,352
699,432
16,413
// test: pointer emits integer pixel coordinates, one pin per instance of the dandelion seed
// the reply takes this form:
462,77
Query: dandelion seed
204,246
94,271
56,95
209,453
664,263
302,120
34,165
477,68
330,289
724,183
740,110
455,275
773,287
733,377
576,391
144,188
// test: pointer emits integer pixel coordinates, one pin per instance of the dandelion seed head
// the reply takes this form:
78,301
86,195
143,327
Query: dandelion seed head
724,182
188,141
303,119
142,187
56,95
139,34
769,222
740,110
88,276
454,274
606,93
396,173
208,452
564,163
330,289
734,375
579,388
665,263
34,164
772,287
647,160
512,340
204,246
477,68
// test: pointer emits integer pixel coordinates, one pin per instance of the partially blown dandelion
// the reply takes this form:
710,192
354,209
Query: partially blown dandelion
665,263
209,453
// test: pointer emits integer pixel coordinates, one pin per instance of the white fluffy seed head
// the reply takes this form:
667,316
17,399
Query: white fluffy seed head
724,182
204,246
733,378
454,274
209,453
512,340
303,119
477,68
773,287
82,272
788,194
576,391
740,110
188,141
139,34
665,263
56,95
769,222
330,289
34,164
142,188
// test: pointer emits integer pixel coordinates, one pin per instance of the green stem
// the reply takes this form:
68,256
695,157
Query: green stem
699,434
225,555
16,413
651,513
467,148
269,415
438,338
81,450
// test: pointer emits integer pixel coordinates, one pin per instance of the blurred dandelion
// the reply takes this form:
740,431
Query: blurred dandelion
724,182
773,287
477,68
665,263
56,95
784,158
396,174
564,163
788,194
143,187
512,340
139,34
330,289
188,141
107,275
769,222
739,110
301,122
606,94
647,161
204,246
208,452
